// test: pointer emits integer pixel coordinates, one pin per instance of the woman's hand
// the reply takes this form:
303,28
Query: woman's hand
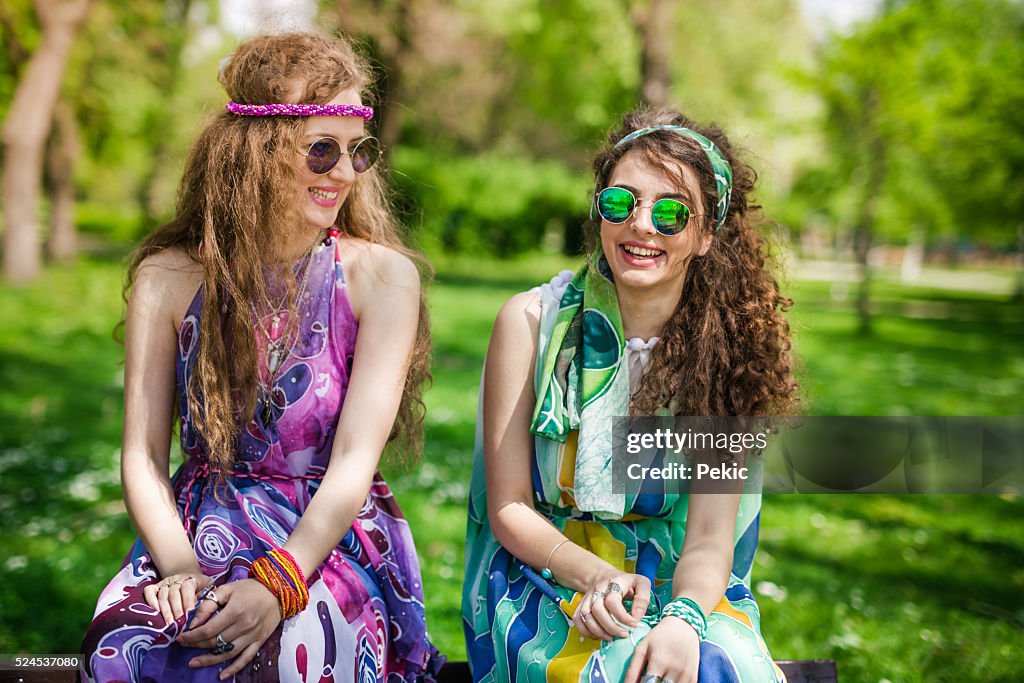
175,595
670,651
241,613
601,614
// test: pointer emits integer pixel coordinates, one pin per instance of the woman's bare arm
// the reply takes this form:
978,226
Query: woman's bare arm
702,573
509,400
157,300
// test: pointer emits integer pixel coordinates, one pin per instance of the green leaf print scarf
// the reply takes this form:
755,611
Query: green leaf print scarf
584,383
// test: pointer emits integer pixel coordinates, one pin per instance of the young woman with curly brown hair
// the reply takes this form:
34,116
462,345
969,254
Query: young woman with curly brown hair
281,320
674,313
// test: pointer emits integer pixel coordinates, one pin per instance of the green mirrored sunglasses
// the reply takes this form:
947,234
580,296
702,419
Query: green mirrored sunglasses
616,205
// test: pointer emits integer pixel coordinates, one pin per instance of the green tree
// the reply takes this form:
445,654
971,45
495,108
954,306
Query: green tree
922,118
137,105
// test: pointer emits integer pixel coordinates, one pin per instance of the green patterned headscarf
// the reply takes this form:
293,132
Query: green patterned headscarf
584,383
721,167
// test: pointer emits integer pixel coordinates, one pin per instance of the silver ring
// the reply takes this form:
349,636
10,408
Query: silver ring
598,595
653,678
614,587
222,646
212,597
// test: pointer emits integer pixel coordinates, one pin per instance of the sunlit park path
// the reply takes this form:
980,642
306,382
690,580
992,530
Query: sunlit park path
929,585
979,279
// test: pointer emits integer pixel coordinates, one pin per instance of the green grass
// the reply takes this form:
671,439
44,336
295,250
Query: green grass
931,353
60,419
898,588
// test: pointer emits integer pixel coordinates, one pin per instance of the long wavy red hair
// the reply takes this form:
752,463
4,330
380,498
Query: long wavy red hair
236,198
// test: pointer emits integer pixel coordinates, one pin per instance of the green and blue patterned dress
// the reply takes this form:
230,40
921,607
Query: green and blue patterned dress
517,625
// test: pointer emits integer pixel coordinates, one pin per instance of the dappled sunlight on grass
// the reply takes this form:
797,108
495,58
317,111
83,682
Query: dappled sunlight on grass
910,366
906,588
896,586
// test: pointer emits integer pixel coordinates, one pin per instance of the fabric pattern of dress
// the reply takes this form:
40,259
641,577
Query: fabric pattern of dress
365,618
517,625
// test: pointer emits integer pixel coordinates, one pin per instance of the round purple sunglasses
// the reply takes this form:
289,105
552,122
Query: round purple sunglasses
325,153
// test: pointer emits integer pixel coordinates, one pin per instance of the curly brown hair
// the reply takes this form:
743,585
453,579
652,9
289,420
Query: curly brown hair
236,200
726,350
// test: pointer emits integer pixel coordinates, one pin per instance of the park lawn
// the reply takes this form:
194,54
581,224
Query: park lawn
898,588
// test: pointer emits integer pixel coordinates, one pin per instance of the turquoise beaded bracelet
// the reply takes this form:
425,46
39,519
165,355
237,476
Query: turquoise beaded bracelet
685,609
690,612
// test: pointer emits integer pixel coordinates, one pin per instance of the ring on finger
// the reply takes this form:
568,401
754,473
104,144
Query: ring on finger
222,646
584,615
614,587
653,678
212,597
599,595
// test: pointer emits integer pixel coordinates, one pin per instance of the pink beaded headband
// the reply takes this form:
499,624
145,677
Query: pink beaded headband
365,113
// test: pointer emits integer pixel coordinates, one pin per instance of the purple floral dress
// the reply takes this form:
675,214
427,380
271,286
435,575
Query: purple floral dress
365,619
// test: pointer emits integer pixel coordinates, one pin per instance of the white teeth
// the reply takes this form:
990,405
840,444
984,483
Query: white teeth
641,251
323,194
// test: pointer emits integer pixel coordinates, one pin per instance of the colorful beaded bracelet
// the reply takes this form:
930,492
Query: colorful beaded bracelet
281,574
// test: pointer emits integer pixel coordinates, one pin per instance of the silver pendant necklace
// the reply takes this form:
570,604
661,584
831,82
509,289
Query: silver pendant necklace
279,344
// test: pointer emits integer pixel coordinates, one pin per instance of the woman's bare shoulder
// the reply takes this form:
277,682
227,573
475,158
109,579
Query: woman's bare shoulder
376,273
518,320
376,263
167,281
526,304
168,263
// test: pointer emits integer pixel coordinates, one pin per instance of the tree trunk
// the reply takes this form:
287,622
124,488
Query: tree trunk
64,148
393,89
161,114
864,230
653,24
393,50
862,249
25,132
1018,292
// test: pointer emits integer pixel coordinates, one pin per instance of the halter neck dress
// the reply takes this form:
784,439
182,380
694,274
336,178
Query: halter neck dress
365,618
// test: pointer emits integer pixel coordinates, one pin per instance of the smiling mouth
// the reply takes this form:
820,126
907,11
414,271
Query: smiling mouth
641,252
323,194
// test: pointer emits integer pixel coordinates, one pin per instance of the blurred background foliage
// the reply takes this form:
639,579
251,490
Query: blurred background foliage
888,137
904,125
